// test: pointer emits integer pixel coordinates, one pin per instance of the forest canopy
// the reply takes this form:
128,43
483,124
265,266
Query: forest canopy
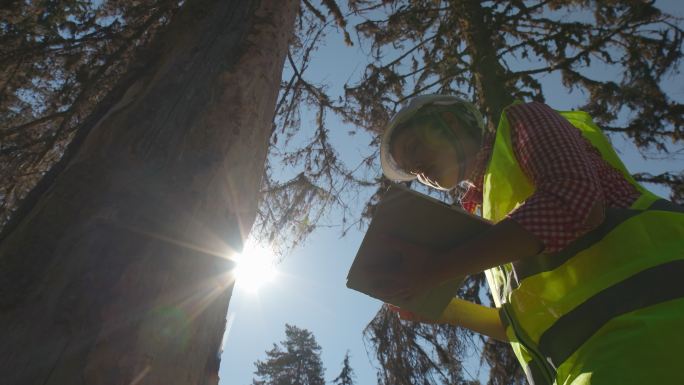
60,60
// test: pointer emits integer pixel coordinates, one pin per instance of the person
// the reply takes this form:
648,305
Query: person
583,263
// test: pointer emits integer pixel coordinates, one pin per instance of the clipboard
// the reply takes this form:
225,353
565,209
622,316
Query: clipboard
421,219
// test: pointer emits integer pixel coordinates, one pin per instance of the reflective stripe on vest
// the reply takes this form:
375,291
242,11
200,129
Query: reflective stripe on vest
553,303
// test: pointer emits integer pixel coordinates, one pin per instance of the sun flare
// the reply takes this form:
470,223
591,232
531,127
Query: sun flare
255,267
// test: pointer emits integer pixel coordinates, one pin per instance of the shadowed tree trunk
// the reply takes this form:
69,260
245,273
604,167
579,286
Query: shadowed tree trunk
117,275
489,76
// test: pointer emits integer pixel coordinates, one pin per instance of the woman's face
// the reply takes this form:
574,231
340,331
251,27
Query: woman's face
433,155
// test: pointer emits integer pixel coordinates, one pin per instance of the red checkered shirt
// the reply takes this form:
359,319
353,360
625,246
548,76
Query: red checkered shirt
568,172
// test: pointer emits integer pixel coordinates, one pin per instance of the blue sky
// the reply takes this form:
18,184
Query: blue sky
310,288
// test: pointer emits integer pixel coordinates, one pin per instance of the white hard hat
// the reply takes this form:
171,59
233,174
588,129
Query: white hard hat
389,166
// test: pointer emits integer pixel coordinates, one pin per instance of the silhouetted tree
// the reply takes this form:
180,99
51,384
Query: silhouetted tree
346,376
412,353
297,361
618,53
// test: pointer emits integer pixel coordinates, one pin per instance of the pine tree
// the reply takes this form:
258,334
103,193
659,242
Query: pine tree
617,53
346,376
411,353
297,361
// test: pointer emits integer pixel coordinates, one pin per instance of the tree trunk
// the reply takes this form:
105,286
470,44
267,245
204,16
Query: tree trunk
490,77
494,94
118,275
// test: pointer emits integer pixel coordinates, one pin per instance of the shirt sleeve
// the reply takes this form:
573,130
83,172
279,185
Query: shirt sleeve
555,157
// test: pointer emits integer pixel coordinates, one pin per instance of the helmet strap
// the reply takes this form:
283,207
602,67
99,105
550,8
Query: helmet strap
458,146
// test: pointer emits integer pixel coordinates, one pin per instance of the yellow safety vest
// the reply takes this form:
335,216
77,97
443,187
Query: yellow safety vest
608,308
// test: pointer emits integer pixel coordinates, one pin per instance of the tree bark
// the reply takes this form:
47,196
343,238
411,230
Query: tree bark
119,275
490,77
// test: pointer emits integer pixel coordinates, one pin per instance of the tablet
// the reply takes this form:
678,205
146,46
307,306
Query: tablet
421,219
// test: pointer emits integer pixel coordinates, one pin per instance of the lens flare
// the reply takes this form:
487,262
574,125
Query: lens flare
255,267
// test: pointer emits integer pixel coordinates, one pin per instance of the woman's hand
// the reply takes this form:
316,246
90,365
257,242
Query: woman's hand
409,315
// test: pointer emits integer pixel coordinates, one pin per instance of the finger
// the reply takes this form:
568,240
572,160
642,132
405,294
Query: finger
411,316
403,314
408,316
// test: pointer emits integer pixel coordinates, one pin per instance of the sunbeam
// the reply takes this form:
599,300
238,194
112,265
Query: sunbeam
255,267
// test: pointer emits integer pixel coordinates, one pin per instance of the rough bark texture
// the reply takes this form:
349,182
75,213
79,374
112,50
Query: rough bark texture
117,275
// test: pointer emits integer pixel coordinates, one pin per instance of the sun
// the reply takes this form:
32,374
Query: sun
255,267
